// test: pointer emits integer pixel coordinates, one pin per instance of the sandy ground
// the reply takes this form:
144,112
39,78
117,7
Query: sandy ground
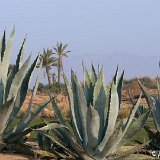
14,156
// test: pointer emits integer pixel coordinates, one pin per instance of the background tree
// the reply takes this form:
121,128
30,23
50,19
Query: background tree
60,51
48,62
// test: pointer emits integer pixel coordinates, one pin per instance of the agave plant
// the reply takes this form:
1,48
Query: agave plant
95,132
154,105
13,91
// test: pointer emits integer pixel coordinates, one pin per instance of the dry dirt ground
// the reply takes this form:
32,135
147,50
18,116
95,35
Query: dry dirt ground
14,156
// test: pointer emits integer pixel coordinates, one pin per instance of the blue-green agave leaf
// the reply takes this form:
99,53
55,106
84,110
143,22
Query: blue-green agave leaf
76,105
88,88
51,126
3,45
72,111
93,75
57,111
15,69
6,58
16,83
1,92
33,93
99,102
110,143
5,111
152,104
93,125
119,87
82,104
23,124
132,115
44,142
134,128
112,115
21,95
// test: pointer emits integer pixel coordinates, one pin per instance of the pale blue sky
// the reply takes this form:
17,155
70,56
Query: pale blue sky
89,26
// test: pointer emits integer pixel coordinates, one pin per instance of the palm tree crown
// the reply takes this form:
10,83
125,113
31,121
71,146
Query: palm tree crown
60,51
48,62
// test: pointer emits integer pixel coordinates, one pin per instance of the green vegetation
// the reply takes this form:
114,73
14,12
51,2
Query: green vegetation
154,104
55,88
13,91
95,131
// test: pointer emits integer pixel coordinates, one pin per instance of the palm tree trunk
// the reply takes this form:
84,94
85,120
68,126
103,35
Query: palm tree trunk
48,75
59,70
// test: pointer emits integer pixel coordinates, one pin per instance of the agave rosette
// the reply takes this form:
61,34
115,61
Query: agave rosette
95,132
13,90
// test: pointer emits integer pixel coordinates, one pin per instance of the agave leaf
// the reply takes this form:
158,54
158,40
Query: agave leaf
19,60
11,136
123,139
33,93
57,111
82,106
18,79
93,75
132,114
93,124
128,125
152,104
44,142
76,105
112,115
158,87
15,69
119,87
21,95
6,58
3,46
115,78
68,135
154,137
1,92
99,102
88,88
72,111
134,127
60,144
125,154
52,126
23,124
107,105
111,142
5,111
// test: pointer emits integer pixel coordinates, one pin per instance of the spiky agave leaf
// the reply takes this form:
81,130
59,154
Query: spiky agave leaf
99,102
13,90
22,91
6,58
93,126
74,121
112,115
15,69
154,137
95,132
154,105
3,46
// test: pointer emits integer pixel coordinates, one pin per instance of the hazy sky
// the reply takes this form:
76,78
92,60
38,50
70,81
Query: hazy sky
89,26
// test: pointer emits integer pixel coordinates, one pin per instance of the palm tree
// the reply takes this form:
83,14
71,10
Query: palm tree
48,62
60,51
